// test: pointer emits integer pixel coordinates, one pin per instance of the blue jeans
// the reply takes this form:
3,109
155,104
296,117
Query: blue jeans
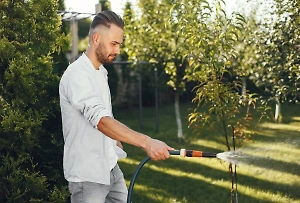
89,192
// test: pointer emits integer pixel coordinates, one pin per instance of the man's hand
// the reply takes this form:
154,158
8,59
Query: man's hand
157,150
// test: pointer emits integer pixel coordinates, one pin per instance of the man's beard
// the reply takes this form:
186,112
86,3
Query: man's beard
100,53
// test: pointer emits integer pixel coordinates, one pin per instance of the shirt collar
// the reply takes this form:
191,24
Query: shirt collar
89,63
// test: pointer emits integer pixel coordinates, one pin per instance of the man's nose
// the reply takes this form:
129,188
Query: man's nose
117,49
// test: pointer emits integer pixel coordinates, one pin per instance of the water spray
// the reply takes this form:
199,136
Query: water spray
181,152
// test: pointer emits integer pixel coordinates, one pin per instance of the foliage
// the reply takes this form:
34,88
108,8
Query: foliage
60,61
105,5
145,35
151,37
211,41
31,140
83,28
276,62
83,31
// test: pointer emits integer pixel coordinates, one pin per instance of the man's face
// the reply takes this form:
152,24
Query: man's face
109,44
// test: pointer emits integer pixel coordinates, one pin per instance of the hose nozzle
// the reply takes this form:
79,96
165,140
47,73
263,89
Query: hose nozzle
194,153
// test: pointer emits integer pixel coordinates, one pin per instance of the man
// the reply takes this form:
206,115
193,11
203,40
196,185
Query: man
92,136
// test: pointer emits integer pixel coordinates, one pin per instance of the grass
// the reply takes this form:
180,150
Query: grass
272,177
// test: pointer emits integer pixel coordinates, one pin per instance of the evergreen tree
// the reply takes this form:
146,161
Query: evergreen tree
30,124
60,60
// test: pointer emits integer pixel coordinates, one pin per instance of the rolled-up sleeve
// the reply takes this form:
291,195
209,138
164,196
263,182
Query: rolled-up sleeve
82,96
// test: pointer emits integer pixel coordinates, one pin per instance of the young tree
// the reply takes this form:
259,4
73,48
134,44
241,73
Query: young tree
30,125
211,39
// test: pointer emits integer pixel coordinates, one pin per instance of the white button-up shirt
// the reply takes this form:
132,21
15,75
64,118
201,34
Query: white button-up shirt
89,155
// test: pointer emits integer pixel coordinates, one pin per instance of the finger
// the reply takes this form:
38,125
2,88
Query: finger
167,155
164,153
170,148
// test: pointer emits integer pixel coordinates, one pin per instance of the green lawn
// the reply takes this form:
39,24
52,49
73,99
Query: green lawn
273,178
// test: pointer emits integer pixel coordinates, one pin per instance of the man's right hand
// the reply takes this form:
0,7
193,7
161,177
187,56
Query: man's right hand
157,150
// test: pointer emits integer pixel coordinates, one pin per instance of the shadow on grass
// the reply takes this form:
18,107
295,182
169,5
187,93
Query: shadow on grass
278,135
272,164
183,189
263,162
291,138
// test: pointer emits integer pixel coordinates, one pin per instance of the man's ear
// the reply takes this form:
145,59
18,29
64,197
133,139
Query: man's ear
96,38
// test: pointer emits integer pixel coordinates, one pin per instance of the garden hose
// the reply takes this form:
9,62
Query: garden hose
181,152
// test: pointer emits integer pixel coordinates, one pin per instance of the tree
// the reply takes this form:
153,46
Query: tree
242,63
211,39
31,140
105,5
125,91
59,58
83,28
150,37
277,63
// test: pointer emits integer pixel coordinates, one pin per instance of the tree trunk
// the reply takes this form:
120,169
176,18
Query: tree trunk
277,111
244,88
178,118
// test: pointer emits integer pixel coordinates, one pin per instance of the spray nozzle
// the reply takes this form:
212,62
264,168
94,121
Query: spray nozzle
193,153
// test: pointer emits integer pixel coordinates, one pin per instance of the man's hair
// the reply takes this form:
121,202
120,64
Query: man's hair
106,18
